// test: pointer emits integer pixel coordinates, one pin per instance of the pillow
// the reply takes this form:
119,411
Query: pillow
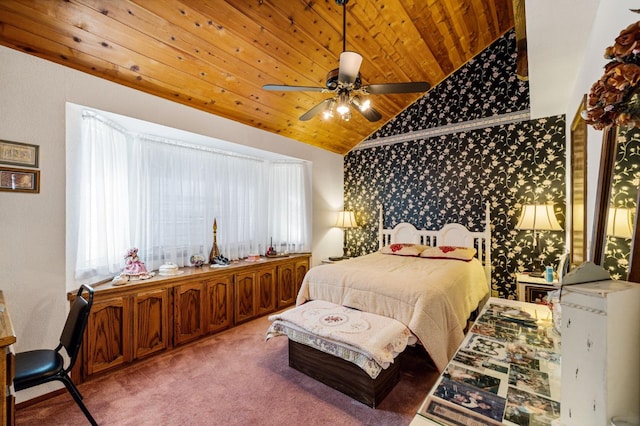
449,252
403,249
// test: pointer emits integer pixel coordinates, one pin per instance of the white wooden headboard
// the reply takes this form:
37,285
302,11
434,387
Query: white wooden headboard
452,234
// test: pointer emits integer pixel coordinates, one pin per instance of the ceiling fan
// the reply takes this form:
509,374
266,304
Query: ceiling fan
346,86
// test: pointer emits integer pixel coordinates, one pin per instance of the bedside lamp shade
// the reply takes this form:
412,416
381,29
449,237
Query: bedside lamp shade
619,223
346,219
538,217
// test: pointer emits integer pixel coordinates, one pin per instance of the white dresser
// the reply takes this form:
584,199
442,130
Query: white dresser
600,352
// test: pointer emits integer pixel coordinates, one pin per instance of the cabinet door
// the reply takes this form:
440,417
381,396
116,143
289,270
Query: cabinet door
189,313
244,307
286,284
150,312
266,291
302,267
218,305
108,335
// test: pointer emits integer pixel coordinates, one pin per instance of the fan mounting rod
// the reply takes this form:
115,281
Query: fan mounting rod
343,3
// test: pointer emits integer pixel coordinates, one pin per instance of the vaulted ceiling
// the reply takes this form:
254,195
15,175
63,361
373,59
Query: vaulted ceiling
216,55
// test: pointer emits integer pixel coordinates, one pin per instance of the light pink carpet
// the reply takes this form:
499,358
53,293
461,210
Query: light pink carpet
231,378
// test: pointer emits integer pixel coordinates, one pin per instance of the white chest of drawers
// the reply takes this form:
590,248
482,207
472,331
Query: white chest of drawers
600,352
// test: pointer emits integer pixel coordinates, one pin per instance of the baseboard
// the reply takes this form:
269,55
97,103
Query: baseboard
37,399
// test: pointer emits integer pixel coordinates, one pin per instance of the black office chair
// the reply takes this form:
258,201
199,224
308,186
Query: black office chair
45,365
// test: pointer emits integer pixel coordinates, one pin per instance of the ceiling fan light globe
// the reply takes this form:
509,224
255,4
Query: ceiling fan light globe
349,66
365,105
343,103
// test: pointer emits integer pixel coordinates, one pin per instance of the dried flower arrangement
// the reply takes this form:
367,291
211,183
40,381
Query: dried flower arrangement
615,98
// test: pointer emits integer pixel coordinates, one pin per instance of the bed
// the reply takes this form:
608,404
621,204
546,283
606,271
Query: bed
433,296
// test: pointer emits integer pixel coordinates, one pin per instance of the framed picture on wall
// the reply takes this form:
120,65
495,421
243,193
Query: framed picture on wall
578,214
19,180
19,154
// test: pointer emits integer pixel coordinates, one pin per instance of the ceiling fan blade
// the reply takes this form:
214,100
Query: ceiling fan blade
315,110
292,88
370,114
349,66
367,111
411,87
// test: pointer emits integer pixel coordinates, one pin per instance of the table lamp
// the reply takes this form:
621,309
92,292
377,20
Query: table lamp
346,219
538,217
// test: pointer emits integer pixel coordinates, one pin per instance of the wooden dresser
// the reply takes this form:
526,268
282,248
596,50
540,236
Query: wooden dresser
147,317
7,366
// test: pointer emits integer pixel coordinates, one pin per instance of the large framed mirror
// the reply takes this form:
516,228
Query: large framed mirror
622,202
616,204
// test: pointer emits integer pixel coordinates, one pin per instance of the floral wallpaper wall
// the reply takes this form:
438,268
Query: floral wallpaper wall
624,194
465,143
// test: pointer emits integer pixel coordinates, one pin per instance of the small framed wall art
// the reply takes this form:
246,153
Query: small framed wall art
18,154
19,180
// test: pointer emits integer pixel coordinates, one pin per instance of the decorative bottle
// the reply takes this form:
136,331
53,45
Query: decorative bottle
215,252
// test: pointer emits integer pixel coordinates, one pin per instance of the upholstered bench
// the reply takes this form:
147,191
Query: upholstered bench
349,350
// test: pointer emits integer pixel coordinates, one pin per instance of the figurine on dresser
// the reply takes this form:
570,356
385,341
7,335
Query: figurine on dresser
134,269
134,266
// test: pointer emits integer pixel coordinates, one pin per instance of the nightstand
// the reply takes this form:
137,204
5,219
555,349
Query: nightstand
534,289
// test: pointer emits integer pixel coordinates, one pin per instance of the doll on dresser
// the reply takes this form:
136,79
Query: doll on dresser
134,267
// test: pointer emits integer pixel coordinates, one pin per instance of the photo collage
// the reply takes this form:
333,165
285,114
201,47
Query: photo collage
506,371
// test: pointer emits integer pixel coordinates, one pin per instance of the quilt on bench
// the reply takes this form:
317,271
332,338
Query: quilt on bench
368,340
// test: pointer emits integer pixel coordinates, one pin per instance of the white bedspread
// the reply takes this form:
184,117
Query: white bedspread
433,297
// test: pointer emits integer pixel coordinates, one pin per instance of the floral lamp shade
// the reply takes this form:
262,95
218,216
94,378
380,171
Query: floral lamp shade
615,98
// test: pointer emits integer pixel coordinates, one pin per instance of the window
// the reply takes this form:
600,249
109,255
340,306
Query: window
161,195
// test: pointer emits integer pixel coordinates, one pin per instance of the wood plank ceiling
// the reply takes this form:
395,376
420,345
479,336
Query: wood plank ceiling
217,55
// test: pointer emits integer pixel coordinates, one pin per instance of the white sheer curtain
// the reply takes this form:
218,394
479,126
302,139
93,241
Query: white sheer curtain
102,192
290,206
240,188
181,189
171,213
162,196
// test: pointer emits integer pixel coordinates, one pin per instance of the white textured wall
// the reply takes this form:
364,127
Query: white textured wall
33,93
